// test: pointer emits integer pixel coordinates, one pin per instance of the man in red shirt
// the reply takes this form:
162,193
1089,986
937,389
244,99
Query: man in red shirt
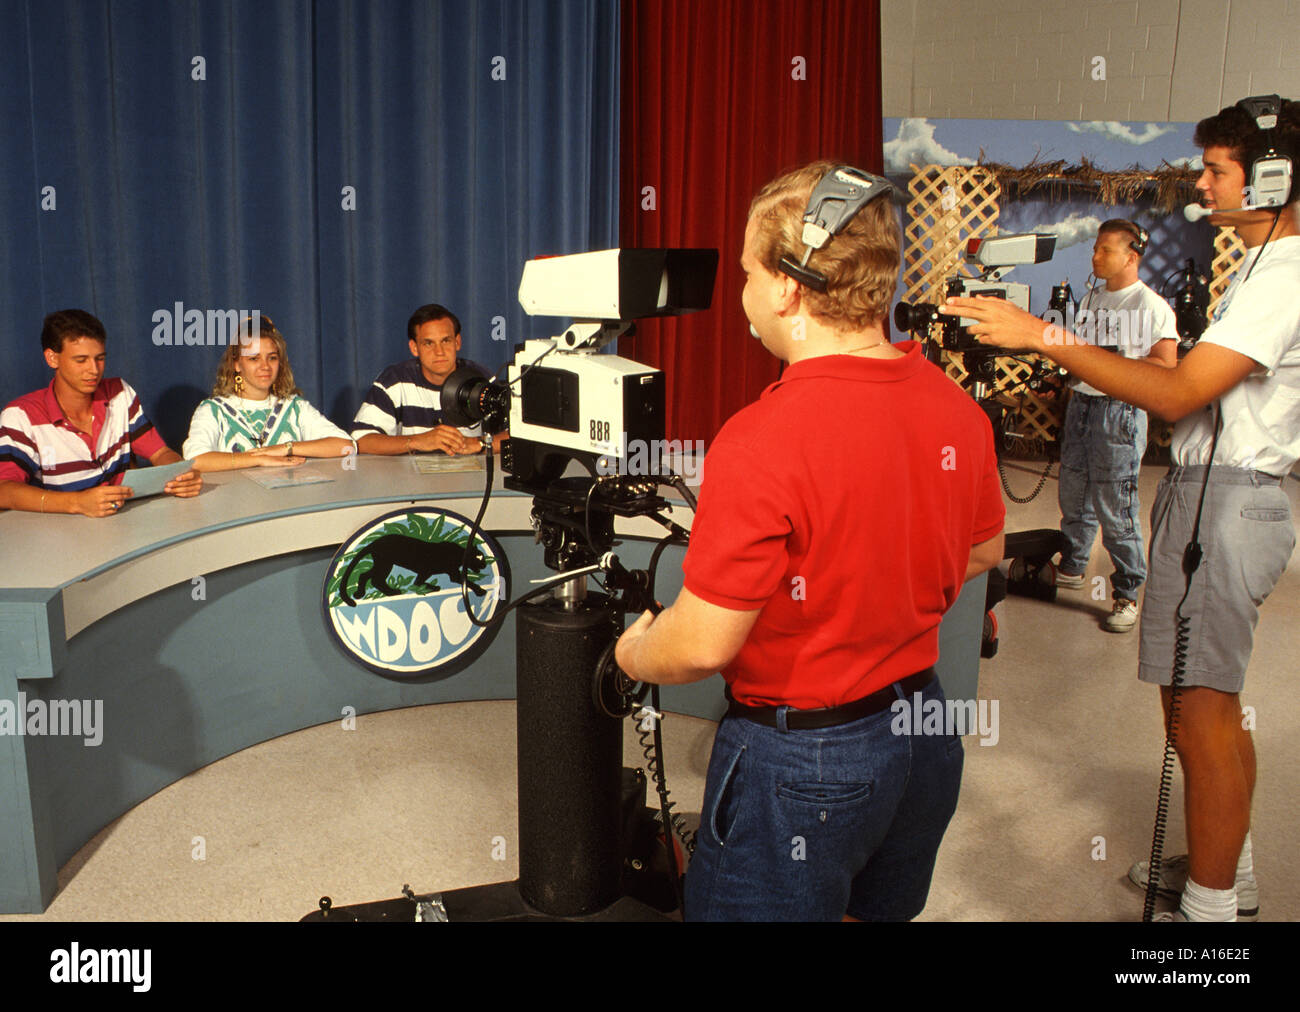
65,449
817,575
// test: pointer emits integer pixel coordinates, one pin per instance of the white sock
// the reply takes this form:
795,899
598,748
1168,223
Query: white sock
1200,903
1246,863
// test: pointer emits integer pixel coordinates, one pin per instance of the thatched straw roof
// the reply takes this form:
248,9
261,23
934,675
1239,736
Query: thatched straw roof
1167,187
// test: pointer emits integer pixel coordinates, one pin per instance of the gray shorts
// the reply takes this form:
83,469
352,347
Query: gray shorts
1247,537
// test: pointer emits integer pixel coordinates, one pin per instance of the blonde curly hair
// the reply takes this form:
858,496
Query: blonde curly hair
860,264
284,385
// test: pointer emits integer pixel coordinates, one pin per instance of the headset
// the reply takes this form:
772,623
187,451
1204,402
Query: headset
1141,237
1271,180
835,200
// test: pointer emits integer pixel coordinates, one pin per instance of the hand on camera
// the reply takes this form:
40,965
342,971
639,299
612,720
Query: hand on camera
1000,324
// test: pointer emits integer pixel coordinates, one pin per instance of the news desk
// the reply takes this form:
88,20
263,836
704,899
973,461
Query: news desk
198,625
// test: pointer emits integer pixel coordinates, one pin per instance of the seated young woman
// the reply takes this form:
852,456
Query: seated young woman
256,416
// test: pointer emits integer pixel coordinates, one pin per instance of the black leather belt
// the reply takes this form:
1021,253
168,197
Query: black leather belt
832,716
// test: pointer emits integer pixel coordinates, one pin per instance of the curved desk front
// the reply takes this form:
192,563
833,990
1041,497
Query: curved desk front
180,632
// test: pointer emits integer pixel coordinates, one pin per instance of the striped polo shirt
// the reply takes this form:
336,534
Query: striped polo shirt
39,446
401,402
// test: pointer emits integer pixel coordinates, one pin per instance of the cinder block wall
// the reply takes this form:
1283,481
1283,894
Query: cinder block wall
1143,60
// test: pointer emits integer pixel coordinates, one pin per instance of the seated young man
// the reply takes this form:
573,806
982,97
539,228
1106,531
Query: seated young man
403,410
66,449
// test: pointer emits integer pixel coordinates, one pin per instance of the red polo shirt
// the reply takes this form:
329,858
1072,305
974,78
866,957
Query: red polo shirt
39,446
844,504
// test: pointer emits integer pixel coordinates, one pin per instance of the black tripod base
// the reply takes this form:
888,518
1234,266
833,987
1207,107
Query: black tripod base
499,901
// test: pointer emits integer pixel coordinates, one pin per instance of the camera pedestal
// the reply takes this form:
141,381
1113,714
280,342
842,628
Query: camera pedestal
569,763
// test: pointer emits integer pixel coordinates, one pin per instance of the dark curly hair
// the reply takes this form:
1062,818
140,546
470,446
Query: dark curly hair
70,323
1234,129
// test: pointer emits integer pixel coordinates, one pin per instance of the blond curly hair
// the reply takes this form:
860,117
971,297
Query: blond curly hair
284,385
860,264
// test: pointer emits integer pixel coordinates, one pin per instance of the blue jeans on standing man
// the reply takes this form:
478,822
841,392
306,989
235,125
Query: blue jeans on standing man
1101,455
807,825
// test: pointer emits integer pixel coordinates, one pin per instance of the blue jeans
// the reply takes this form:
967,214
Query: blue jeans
1101,455
811,825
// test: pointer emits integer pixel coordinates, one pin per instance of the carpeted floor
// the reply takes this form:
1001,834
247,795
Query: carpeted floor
1050,817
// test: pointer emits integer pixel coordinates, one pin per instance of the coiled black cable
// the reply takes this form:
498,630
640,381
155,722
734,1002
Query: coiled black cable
1182,638
651,743
1042,480
652,746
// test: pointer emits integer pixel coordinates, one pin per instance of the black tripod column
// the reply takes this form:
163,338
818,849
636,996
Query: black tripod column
570,756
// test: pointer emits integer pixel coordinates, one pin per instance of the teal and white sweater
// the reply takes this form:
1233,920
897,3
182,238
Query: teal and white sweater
234,424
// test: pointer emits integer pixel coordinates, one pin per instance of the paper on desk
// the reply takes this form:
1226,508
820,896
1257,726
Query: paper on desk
147,481
438,463
275,478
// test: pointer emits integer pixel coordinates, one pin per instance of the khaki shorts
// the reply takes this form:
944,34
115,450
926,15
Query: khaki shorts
1247,537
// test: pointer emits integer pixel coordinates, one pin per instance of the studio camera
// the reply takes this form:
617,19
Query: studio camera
561,400
993,257
1188,291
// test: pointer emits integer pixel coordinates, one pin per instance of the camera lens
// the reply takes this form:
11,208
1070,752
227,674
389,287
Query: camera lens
915,318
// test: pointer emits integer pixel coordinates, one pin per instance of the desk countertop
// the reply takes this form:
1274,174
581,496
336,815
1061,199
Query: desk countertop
55,551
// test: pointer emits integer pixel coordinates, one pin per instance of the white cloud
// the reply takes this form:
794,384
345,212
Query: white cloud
1190,162
1116,131
1075,229
915,145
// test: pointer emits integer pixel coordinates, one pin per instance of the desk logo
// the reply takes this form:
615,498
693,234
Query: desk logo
393,595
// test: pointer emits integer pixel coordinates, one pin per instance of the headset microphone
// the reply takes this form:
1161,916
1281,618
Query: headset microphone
1195,212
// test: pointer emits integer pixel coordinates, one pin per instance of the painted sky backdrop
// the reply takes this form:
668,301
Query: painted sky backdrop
1109,145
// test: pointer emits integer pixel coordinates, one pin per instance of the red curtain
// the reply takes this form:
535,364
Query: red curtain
720,96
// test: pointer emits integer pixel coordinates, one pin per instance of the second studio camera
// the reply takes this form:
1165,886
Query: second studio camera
994,257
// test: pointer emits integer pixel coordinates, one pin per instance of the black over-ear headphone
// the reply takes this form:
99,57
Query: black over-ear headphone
841,194
1271,173
1141,237
1141,240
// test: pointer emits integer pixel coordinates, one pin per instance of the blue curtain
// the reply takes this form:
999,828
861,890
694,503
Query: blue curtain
333,165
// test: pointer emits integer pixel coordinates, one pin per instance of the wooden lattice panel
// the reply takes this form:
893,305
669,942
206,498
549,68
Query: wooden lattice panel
947,206
1228,253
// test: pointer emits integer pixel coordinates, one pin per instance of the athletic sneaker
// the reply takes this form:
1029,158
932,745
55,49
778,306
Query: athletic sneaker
1123,616
1069,581
1173,877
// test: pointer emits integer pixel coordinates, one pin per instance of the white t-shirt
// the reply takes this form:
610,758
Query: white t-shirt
1132,319
235,424
1261,414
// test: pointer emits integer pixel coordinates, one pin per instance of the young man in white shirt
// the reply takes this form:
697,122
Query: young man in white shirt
1236,400
1104,438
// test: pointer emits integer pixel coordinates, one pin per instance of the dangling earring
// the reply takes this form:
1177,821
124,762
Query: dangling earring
239,385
